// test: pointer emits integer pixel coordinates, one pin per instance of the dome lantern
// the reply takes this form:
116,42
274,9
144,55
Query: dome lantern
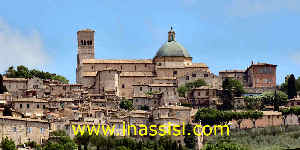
171,35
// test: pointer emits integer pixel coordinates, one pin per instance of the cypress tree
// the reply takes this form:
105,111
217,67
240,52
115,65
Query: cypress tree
292,87
2,88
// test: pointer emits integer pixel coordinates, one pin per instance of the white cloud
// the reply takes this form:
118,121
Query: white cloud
18,48
245,8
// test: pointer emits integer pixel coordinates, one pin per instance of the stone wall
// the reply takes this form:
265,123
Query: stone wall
23,130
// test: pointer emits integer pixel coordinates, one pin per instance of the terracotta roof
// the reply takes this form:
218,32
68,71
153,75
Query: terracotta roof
232,71
117,61
194,65
136,74
23,119
164,84
202,65
175,107
86,30
165,78
31,99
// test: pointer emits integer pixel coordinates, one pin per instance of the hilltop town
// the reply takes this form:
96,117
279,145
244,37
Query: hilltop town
167,89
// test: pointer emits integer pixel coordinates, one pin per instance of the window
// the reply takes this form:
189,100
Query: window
194,75
121,67
37,106
145,65
199,93
135,68
175,72
141,88
187,77
28,106
35,86
81,42
21,105
29,129
151,89
205,75
14,129
64,87
207,93
84,42
44,106
91,42
123,86
42,130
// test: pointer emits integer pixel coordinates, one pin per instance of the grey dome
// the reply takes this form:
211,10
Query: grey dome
172,48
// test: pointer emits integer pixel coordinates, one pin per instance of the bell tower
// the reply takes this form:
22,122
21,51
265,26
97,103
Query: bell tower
86,50
86,47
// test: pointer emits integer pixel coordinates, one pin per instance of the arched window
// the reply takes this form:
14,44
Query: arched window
81,42
84,43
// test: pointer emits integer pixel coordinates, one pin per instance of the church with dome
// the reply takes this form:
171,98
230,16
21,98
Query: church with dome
140,79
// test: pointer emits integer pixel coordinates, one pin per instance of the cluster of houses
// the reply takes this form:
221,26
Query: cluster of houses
38,107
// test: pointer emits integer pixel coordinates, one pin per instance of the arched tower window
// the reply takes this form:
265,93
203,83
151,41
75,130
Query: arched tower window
81,42
84,42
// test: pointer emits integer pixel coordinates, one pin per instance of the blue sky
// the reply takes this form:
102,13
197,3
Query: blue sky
224,34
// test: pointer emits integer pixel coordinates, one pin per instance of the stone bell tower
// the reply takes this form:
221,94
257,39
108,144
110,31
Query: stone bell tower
86,50
86,47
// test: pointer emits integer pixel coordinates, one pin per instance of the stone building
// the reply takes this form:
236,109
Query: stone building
171,62
15,86
22,130
258,75
204,96
31,107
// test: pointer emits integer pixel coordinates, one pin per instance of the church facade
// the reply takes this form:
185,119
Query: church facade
131,79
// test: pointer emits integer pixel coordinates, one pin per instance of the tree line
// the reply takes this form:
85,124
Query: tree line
23,72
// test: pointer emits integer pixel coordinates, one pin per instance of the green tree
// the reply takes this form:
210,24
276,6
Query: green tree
60,141
239,117
275,98
296,111
24,72
285,112
126,104
254,116
253,102
223,146
98,141
231,88
83,140
183,89
165,142
122,148
53,146
189,137
8,144
292,92
2,87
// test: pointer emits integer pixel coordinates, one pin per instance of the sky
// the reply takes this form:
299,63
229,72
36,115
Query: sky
224,34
